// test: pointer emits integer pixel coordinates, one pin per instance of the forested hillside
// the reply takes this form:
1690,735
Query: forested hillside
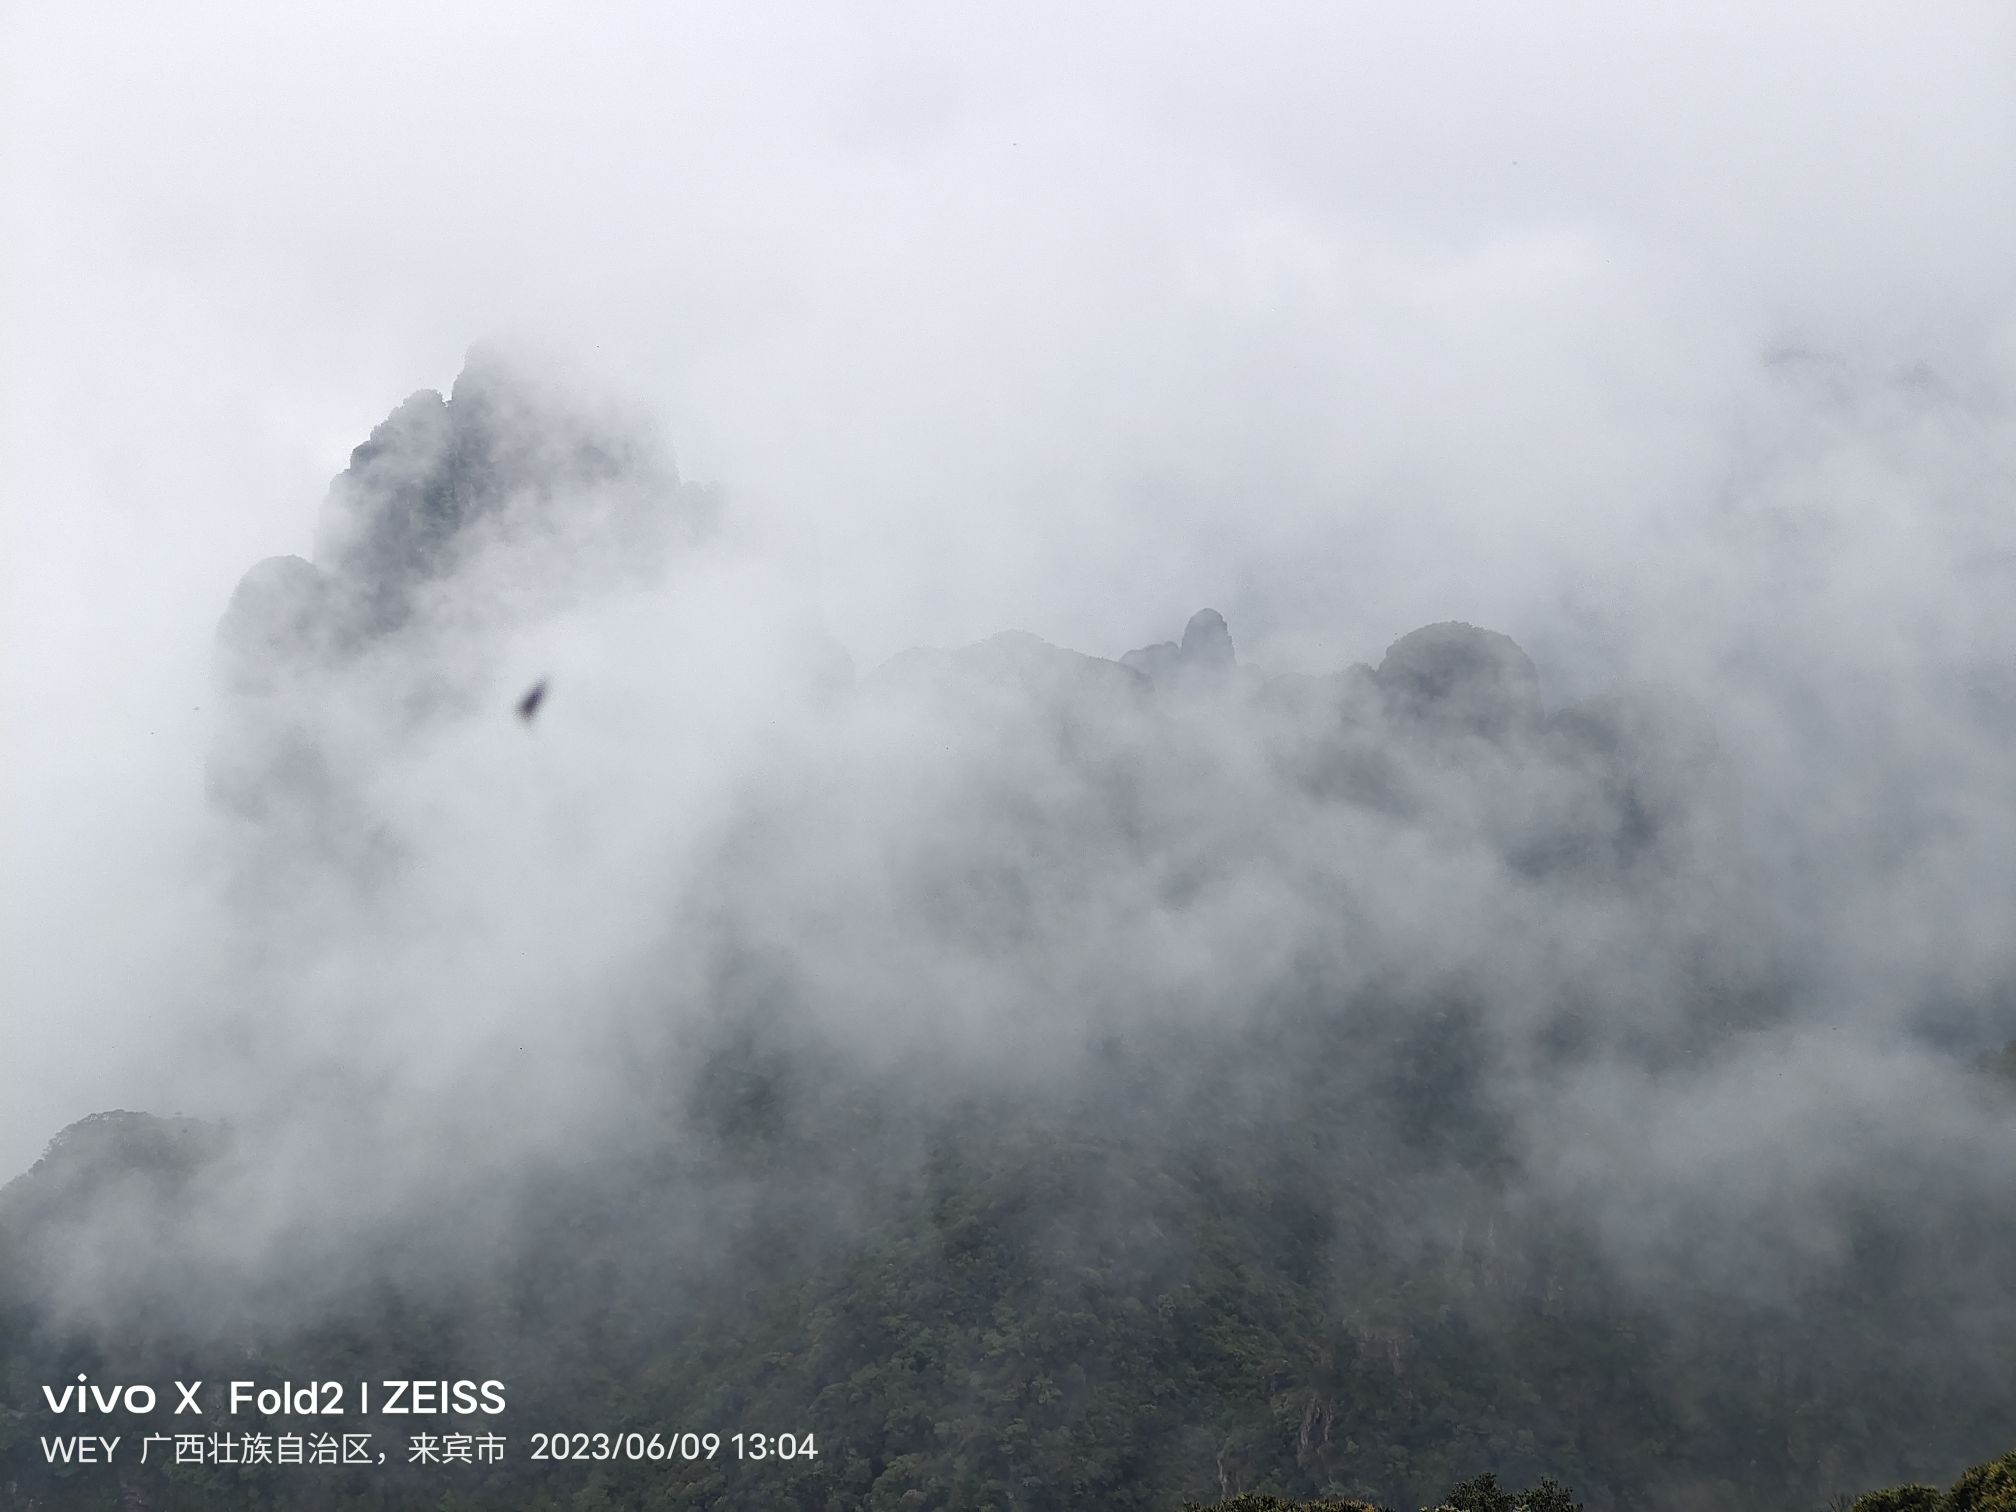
1039,1080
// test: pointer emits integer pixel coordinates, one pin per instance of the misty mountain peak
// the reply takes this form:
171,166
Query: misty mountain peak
506,455
1204,654
1455,676
1207,640
458,521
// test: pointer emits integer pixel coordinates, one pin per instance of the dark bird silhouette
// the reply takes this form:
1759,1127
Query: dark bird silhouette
529,704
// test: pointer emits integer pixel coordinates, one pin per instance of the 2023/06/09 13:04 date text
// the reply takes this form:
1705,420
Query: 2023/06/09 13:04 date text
636,1445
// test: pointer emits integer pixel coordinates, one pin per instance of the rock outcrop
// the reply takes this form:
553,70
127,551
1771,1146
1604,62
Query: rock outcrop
504,501
503,457
1453,677
1203,656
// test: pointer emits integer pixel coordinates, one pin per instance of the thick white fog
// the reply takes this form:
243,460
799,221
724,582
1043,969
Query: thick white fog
1679,344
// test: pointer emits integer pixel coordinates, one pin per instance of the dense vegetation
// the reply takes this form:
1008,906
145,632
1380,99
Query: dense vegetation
965,1338
1057,1083
1989,1487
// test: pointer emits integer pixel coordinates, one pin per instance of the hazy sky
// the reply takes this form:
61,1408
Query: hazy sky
1603,326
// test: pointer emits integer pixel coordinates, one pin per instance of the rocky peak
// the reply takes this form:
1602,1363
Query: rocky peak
1207,641
1203,655
407,508
1454,676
